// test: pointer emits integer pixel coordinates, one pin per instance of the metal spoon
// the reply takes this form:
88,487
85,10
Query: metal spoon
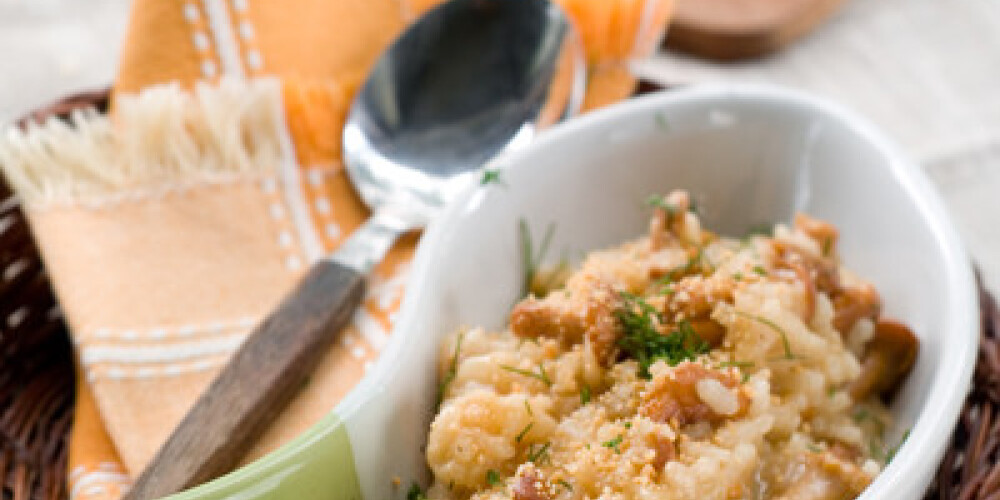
468,81
472,80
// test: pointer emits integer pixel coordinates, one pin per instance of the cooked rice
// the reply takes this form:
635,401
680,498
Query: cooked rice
553,407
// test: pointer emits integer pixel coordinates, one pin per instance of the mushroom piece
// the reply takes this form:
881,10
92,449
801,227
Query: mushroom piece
587,316
665,450
709,330
554,316
530,487
888,358
822,232
669,218
809,285
854,303
818,274
677,398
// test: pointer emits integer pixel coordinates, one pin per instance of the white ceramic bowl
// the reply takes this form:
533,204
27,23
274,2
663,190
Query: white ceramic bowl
749,155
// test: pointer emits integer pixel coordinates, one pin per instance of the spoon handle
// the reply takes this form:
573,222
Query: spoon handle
257,383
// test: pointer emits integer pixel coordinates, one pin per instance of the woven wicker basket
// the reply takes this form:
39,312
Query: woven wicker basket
37,376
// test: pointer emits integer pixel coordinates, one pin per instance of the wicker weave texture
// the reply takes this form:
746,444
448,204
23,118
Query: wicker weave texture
36,359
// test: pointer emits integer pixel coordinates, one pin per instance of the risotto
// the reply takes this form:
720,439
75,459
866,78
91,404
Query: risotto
681,365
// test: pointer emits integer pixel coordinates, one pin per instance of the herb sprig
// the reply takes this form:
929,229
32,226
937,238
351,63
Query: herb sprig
415,493
538,454
772,325
449,376
643,341
493,477
531,260
689,267
491,176
541,375
895,449
520,435
658,201
664,285
737,364
614,443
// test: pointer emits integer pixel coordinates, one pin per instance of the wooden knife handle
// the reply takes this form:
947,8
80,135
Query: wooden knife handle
259,381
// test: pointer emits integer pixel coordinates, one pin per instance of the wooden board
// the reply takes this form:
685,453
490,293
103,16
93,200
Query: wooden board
737,29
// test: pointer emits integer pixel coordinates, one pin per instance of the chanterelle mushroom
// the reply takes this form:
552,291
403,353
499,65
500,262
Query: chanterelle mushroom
888,357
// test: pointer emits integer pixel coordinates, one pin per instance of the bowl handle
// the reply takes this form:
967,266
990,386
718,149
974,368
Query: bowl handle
320,463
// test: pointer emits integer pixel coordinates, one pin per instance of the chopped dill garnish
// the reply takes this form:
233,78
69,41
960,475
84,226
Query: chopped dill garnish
614,443
874,450
764,321
744,367
827,246
566,485
644,342
895,449
814,448
530,259
449,376
736,364
535,456
528,407
491,176
520,435
762,229
493,477
584,394
628,425
541,375
664,285
415,493
550,279
738,276
861,414
760,270
688,267
658,201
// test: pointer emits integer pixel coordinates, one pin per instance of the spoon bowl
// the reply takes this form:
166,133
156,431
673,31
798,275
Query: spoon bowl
475,78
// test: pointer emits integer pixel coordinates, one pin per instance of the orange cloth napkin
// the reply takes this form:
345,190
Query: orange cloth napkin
172,227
